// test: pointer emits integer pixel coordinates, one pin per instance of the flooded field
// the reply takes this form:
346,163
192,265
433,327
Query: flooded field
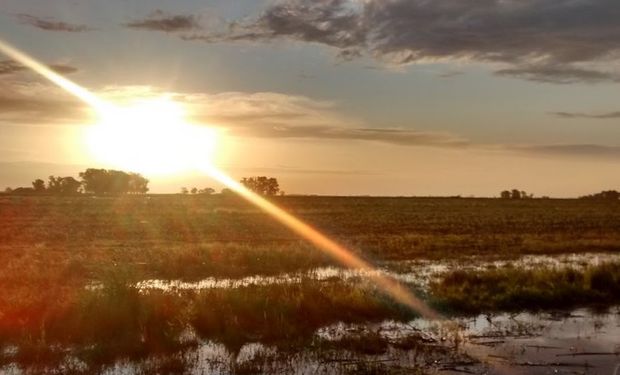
209,285
416,272
576,342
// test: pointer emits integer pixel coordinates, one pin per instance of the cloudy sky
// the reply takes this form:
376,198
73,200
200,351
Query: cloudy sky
377,97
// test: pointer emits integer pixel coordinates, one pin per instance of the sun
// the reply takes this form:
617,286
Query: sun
150,136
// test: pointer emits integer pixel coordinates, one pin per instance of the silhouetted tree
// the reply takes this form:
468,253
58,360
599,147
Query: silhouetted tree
207,191
38,185
138,184
604,195
261,185
53,184
184,190
62,185
103,181
194,190
69,186
515,194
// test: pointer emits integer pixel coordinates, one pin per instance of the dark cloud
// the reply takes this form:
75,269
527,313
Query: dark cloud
11,67
402,137
63,69
161,21
601,116
49,24
558,74
575,150
20,109
541,40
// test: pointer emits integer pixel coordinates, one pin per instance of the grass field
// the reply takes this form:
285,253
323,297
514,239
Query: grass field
69,266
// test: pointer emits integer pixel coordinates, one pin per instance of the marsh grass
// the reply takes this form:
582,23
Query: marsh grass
119,321
517,289
53,248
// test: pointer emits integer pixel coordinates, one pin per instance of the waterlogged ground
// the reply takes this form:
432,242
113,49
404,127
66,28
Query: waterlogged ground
107,285
579,342
416,272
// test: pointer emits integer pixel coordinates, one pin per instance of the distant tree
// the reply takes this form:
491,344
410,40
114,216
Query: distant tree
515,194
8,190
207,191
62,185
184,190
194,190
38,185
95,181
261,185
138,184
53,184
103,181
227,192
505,194
611,195
69,186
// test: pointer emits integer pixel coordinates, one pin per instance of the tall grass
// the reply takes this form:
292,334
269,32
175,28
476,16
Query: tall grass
516,289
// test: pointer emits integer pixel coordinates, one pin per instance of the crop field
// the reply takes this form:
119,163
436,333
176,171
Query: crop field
210,284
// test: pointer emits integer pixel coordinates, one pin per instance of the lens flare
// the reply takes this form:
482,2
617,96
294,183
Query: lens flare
343,255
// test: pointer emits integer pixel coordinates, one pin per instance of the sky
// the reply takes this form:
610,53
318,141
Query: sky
337,97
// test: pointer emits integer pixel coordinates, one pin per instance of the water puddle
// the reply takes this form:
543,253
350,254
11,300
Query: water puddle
416,272
576,342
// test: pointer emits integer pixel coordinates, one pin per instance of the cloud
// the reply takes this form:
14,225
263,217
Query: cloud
559,74
273,115
161,21
573,150
50,24
558,41
574,115
8,67
34,103
266,115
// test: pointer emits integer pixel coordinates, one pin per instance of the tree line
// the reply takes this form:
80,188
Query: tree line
260,185
92,181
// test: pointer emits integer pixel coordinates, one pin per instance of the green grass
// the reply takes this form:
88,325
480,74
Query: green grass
516,289
52,248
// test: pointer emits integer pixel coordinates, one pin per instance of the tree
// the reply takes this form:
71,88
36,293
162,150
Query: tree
261,185
184,190
53,184
515,194
38,185
69,186
505,194
95,181
194,190
611,195
62,185
103,181
138,184
207,191
226,192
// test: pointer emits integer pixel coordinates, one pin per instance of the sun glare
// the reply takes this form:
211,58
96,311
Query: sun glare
150,136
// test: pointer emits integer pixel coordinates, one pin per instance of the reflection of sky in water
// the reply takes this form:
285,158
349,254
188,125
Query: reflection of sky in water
417,272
